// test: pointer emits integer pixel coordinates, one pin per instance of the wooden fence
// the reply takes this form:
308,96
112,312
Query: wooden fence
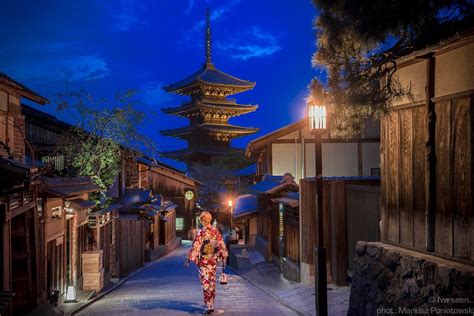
168,228
427,201
363,216
132,245
345,204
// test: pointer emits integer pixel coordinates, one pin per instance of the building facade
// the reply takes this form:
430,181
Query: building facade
291,149
20,257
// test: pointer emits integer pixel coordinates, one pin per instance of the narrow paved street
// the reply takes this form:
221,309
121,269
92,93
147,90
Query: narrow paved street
168,288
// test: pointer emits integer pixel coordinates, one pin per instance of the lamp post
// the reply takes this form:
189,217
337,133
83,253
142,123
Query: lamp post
230,203
317,126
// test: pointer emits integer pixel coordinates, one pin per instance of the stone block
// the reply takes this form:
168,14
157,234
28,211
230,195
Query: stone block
389,277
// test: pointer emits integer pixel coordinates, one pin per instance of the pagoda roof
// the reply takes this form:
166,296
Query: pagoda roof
187,152
216,128
209,75
219,104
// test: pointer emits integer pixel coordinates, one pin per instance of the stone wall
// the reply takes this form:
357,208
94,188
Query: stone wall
392,280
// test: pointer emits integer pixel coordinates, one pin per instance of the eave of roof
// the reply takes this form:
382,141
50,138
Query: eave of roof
23,90
158,164
71,190
287,201
267,138
213,128
42,118
200,150
194,106
457,40
209,75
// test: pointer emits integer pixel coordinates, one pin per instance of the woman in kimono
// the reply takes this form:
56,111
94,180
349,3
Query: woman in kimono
207,250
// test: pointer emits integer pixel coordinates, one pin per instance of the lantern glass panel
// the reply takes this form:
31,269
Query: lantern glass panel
317,117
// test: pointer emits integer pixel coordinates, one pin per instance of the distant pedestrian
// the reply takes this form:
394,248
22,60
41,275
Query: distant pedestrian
207,250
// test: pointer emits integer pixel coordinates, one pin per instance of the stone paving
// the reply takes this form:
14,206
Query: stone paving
267,276
166,287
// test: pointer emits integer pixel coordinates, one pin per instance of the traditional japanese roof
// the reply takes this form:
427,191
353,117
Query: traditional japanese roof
245,205
23,90
155,164
287,201
210,105
233,130
137,204
81,203
187,152
273,184
209,75
247,171
17,167
65,187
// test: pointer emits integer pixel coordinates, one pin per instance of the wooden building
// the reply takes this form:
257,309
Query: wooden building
209,132
150,219
65,212
269,222
245,215
19,222
173,185
427,182
45,134
104,226
291,149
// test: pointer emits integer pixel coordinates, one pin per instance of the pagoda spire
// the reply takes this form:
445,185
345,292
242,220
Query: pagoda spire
208,39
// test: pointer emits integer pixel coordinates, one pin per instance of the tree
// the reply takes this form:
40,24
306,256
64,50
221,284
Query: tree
94,146
358,43
219,182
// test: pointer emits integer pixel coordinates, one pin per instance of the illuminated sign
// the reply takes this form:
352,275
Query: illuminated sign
189,195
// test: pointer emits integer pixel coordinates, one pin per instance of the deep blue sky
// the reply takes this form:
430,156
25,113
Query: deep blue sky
110,45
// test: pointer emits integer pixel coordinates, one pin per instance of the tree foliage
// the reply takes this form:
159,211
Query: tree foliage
105,128
218,180
358,43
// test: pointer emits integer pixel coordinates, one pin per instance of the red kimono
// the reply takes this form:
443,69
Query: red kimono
207,263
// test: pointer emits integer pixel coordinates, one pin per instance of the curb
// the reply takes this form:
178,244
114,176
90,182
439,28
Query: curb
269,293
118,284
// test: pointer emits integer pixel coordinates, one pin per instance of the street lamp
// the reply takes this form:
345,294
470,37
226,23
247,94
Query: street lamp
230,203
317,126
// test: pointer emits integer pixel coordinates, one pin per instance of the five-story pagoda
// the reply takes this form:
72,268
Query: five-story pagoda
209,132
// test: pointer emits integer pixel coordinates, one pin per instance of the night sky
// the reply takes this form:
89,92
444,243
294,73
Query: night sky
108,45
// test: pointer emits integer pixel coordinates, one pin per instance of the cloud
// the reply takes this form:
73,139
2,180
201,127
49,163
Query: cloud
55,62
152,94
216,14
190,6
129,15
253,43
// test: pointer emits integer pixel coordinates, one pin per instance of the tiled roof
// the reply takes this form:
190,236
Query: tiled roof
247,171
245,205
30,94
210,75
200,150
132,196
81,203
70,190
218,128
219,105
272,184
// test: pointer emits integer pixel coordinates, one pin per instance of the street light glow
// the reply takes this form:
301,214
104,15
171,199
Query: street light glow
230,203
317,117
